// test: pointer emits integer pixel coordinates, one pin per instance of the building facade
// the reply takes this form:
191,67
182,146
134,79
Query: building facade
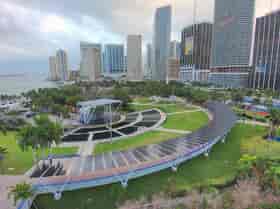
173,69
149,61
161,43
232,33
266,59
54,76
232,42
114,59
230,77
196,42
91,59
175,49
134,58
62,64
196,46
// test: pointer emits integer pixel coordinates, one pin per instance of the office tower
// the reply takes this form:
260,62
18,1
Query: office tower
134,58
114,58
90,61
62,64
196,44
175,49
173,69
232,42
53,69
125,64
266,59
161,43
149,61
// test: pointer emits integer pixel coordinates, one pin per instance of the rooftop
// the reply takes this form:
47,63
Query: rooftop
99,102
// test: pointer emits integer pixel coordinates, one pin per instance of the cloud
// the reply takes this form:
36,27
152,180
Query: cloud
31,30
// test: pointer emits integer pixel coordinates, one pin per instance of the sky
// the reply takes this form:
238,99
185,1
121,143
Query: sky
32,30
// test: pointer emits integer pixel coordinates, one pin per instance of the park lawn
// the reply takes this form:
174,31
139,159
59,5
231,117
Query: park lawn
260,147
167,108
152,137
219,168
189,121
18,162
142,100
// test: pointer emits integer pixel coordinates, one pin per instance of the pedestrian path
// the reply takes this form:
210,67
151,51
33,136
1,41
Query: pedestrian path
182,112
172,130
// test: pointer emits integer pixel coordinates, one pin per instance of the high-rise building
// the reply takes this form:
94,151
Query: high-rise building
196,46
149,61
161,43
90,61
134,58
266,59
62,64
196,41
114,59
53,69
175,49
173,69
232,40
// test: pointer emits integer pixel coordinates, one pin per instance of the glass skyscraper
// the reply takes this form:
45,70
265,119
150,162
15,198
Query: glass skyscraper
161,43
114,59
233,30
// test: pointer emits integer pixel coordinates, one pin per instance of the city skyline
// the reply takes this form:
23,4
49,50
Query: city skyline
25,47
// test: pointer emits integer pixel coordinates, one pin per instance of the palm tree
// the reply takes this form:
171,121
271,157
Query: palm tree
22,191
274,121
42,135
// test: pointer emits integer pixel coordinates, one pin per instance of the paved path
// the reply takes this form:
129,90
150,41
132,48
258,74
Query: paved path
251,122
172,130
186,111
5,183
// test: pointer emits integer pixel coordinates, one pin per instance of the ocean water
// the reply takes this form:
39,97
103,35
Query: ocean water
19,83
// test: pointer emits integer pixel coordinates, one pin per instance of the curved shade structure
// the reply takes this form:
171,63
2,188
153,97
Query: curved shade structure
125,165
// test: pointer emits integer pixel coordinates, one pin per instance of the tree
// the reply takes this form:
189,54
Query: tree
237,96
3,125
3,150
122,94
22,191
274,121
42,135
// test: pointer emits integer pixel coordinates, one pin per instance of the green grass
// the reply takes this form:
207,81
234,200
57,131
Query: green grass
152,137
167,108
142,100
186,121
18,162
219,168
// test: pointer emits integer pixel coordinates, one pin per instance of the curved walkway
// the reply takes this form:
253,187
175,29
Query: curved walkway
122,166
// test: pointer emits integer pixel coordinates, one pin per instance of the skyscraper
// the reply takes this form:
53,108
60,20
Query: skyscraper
149,61
266,61
175,49
62,64
161,43
196,44
232,42
114,58
53,69
90,61
134,58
